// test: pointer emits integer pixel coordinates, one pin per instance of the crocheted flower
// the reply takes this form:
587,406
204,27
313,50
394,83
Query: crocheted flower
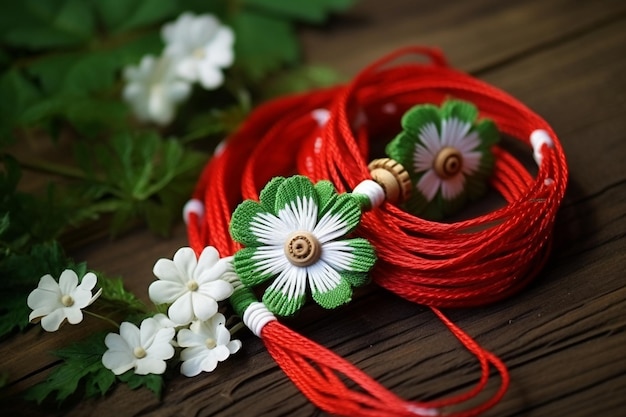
206,343
55,302
153,90
447,153
193,285
295,236
143,349
201,46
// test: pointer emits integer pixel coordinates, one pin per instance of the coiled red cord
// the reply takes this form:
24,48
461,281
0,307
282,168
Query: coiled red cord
460,264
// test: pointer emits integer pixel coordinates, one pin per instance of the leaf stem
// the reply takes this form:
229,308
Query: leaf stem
108,320
237,327
54,169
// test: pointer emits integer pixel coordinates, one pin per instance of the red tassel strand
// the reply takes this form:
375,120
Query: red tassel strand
462,264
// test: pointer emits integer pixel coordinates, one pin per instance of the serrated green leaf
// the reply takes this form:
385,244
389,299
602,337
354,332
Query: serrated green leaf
113,291
258,55
312,11
152,382
82,363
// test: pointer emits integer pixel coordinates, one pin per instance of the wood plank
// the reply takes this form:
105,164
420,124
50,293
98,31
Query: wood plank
562,337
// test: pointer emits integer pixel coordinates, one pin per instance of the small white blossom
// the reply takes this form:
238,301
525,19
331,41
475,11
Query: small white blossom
153,89
206,343
193,285
201,46
55,302
143,349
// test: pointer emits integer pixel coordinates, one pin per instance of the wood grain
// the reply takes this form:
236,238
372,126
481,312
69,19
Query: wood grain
563,337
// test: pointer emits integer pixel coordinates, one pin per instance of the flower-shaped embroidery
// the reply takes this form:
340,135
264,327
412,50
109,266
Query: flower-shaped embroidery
201,46
55,302
447,153
206,343
153,90
193,285
294,236
144,349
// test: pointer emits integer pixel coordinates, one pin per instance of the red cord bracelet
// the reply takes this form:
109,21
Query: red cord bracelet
327,135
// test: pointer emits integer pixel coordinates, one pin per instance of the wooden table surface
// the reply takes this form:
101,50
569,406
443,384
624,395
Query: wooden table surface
563,338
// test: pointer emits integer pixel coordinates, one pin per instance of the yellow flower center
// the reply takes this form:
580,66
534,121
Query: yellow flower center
302,248
199,53
210,343
192,285
448,162
67,300
139,352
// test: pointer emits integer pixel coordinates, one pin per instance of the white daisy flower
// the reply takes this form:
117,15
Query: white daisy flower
447,153
193,285
296,237
143,349
55,302
206,343
153,89
201,46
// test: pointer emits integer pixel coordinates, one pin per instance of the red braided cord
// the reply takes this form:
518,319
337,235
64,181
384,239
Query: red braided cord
465,263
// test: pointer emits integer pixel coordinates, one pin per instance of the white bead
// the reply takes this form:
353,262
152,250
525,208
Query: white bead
256,317
374,192
193,206
538,138
321,116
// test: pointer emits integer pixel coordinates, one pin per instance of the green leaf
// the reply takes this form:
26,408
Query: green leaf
17,94
82,363
38,24
302,78
258,55
113,291
311,11
152,382
122,15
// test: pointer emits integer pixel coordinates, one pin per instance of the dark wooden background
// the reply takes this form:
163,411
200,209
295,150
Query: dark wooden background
563,338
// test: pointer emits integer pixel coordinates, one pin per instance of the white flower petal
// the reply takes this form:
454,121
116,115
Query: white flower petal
453,130
429,136
338,255
209,76
220,51
52,321
234,346
116,343
186,262
452,187
322,277
73,315
270,259
291,281
269,229
166,270
68,281
166,291
188,338
193,365
149,365
471,162
213,273
118,362
330,227
468,143
222,335
429,184
204,307
220,352
218,290
181,312
88,282
130,333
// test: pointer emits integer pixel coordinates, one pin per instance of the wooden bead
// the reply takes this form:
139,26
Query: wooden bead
394,179
448,162
302,248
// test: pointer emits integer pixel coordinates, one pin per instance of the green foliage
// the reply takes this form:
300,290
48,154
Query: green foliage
19,275
61,66
81,364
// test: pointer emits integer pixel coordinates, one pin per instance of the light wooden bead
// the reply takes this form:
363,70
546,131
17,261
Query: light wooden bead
392,177
448,162
302,248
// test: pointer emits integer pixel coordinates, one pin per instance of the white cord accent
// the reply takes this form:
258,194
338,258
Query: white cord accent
220,148
256,317
422,411
321,116
538,138
372,190
193,206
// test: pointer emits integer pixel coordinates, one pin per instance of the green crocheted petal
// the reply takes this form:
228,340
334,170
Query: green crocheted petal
418,116
279,304
461,110
355,279
345,212
268,194
326,195
364,254
339,295
293,189
401,149
239,226
246,266
488,132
